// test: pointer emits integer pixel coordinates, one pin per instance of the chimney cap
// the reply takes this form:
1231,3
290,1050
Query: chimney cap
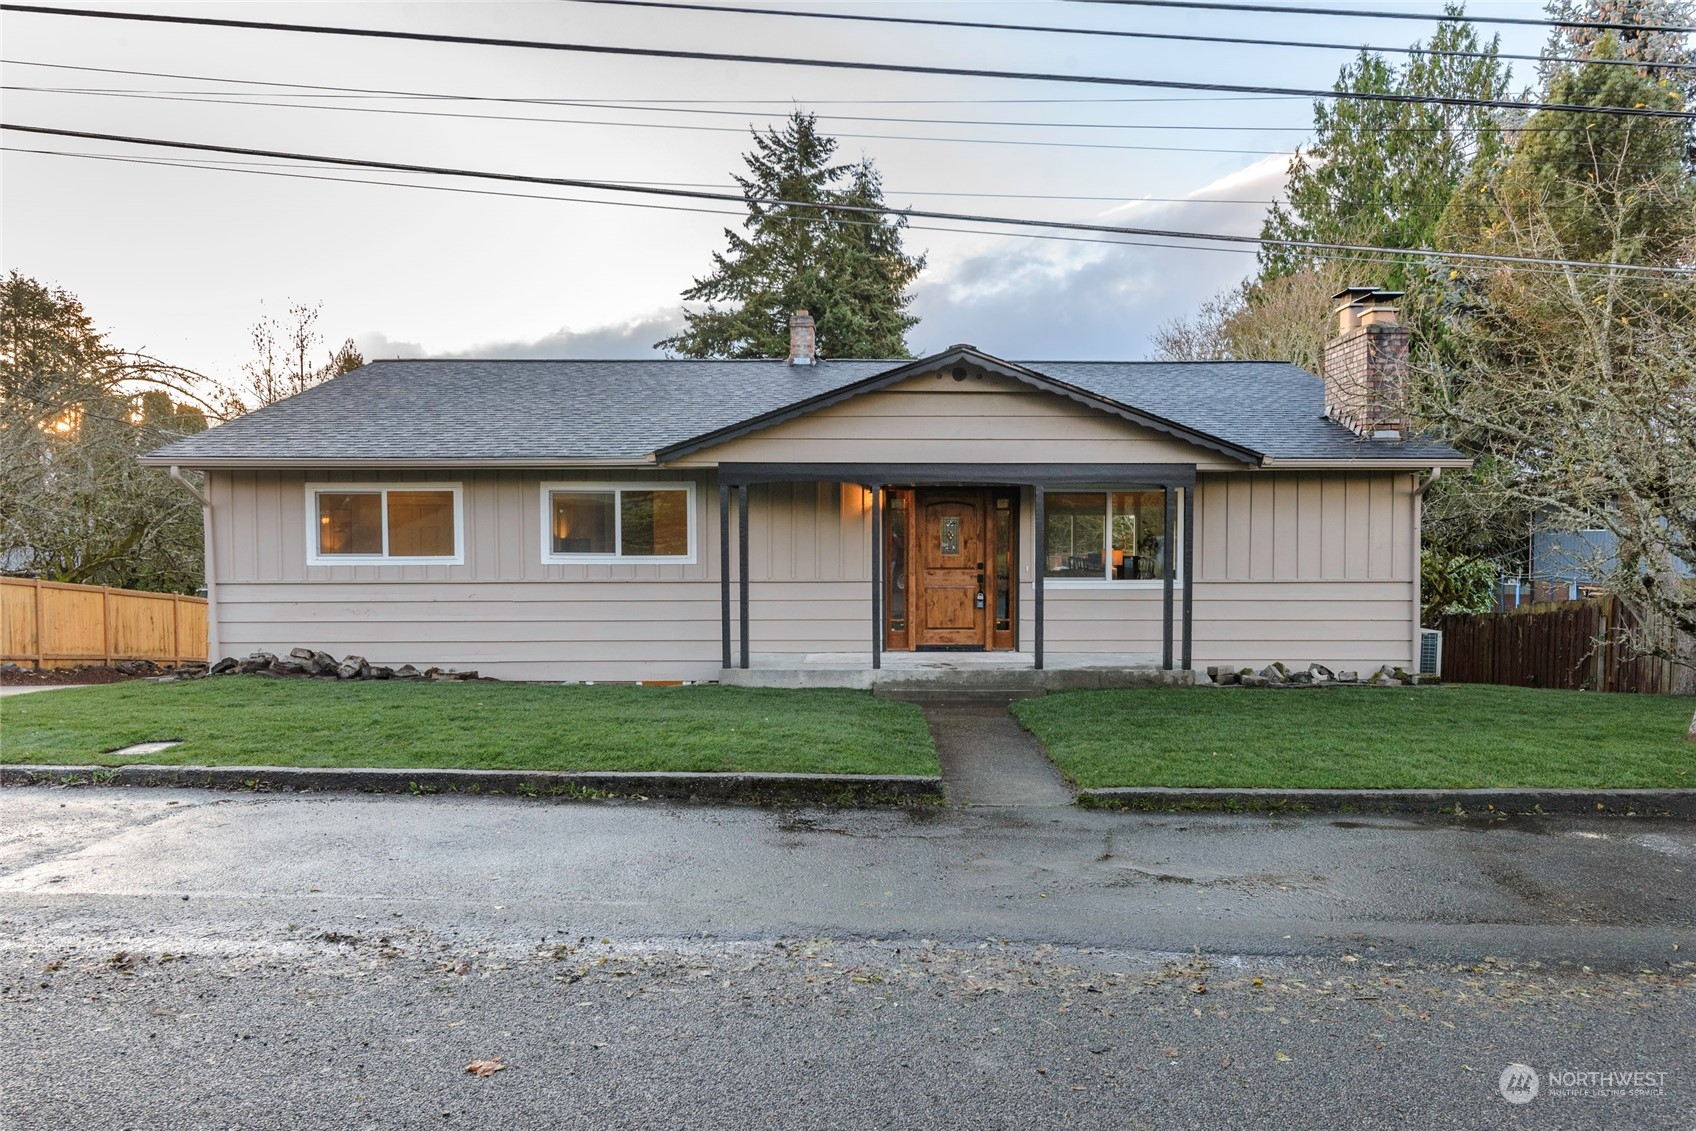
1375,295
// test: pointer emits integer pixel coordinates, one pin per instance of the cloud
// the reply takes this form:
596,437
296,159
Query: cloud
634,338
376,346
1043,300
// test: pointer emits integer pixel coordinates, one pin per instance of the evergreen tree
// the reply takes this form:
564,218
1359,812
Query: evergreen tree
1381,173
812,252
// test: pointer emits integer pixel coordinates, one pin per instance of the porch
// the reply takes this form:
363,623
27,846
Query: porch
956,671
1004,653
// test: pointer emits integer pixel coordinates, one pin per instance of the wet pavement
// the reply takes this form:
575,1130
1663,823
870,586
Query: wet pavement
191,959
989,759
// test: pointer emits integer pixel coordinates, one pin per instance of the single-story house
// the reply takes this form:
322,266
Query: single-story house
675,519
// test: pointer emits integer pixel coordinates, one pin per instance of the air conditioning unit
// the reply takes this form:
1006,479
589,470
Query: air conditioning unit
1430,652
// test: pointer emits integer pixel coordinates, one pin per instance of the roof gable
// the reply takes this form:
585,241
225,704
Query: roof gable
963,361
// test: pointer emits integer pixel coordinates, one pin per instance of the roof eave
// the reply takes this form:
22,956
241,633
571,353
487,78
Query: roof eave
1365,461
238,463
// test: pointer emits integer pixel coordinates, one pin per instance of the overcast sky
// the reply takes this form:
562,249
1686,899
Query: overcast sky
180,261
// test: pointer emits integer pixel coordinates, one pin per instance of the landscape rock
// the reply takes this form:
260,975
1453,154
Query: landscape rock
407,671
227,664
1252,680
1227,677
1348,677
1321,673
1273,673
353,667
1301,677
378,671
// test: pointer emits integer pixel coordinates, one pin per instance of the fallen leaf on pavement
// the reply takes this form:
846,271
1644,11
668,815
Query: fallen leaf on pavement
485,1067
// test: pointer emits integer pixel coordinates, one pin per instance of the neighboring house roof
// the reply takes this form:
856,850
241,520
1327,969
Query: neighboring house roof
515,412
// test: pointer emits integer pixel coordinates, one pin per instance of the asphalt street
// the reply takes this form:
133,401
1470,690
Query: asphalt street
193,959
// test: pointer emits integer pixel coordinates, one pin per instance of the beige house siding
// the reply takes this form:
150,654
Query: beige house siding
936,419
506,612
1292,566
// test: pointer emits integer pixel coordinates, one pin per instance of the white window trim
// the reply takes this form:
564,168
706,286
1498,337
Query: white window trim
617,558
1129,583
315,558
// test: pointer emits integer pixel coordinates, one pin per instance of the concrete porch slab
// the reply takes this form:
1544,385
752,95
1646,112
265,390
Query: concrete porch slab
1003,671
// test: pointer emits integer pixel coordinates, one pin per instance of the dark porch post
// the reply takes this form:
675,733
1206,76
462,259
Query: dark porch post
724,566
1189,568
742,555
877,574
1040,538
1166,572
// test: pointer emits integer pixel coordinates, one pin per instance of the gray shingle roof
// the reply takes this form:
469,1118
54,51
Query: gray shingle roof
420,410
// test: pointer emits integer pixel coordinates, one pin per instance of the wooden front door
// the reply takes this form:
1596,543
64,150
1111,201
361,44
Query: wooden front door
949,561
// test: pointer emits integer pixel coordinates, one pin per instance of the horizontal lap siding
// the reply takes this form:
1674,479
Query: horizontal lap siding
1251,624
1102,620
542,630
506,613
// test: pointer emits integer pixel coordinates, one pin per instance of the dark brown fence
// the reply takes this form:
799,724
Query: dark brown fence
1577,645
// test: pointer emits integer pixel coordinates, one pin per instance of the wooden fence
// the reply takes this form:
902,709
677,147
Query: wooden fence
1576,645
48,624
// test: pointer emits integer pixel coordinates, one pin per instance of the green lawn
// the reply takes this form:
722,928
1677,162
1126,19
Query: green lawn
1452,737
238,720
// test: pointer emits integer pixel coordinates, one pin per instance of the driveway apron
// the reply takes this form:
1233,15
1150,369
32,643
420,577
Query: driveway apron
989,759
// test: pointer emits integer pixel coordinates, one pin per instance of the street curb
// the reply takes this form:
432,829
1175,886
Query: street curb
736,788
1679,804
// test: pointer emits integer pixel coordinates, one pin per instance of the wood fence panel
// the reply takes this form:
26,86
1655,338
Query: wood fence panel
1575,645
73,623
191,628
17,622
50,623
142,627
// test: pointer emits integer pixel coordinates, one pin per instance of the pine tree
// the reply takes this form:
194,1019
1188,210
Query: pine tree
813,251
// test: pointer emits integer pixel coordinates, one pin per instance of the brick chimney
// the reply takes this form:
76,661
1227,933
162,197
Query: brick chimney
801,350
1366,365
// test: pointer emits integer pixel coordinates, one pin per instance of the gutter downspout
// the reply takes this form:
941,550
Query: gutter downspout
1436,474
206,528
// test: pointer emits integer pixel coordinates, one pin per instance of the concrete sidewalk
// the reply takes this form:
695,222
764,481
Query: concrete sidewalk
989,759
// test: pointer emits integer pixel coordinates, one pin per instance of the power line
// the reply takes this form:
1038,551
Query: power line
201,165
831,64
1114,33
185,163
1376,14
1114,101
868,210
677,106
673,125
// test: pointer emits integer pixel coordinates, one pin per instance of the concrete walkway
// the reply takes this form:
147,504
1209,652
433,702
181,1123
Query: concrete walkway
989,759
27,688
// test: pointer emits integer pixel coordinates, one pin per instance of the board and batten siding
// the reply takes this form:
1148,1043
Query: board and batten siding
507,613
982,420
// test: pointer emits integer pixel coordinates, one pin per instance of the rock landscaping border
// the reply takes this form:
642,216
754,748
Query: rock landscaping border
732,788
1314,675
311,663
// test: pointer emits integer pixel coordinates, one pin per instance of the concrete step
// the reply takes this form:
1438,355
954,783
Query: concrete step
945,694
